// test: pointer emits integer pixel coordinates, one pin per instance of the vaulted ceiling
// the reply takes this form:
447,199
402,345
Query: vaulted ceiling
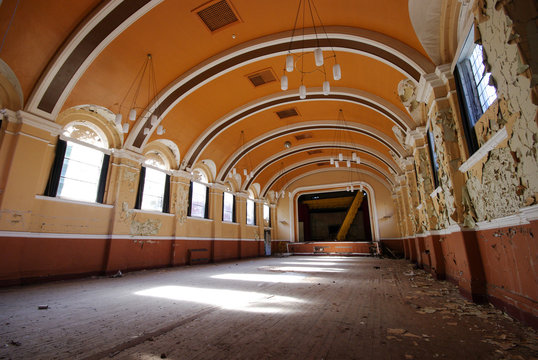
70,53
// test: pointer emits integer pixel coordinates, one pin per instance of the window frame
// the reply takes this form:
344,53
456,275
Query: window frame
471,108
56,174
265,206
142,183
253,223
233,219
206,204
434,162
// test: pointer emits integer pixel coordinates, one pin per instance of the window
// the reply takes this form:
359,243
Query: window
80,166
228,207
433,159
199,194
475,95
154,185
266,216
251,213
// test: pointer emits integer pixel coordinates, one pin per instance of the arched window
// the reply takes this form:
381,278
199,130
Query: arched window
81,163
266,216
154,184
199,195
251,210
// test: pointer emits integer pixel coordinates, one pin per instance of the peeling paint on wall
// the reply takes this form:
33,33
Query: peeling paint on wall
495,194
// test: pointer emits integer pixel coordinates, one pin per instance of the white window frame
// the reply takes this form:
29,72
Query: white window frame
228,214
251,206
151,189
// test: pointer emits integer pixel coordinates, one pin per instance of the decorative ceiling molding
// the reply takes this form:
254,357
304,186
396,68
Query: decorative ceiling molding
383,48
98,30
341,185
225,170
311,126
308,162
348,95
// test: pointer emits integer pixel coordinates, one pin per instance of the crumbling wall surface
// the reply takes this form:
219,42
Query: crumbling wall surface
512,77
495,193
446,143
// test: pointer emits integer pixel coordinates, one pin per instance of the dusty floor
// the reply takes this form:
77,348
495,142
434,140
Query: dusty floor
271,308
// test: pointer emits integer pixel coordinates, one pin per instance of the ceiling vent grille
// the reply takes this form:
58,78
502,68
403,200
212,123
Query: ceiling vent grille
313,152
218,15
262,77
303,136
282,114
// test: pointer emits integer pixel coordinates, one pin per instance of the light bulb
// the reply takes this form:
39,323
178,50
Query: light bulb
332,161
132,114
302,92
352,188
252,174
353,156
119,118
125,128
336,164
337,72
154,120
284,83
340,157
358,160
318,55
348,163
326,88
289,63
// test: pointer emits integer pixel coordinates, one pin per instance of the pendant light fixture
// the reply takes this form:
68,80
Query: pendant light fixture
307,15
145,78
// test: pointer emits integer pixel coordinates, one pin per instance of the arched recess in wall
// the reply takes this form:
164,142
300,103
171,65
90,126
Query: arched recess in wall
11,96
162,148
101,117
295,193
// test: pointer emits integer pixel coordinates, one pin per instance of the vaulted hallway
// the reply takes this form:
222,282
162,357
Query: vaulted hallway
297,307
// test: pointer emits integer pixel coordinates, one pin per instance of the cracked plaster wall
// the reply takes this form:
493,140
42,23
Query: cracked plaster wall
497,192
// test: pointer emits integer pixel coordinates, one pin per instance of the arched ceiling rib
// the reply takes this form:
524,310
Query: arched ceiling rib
332,125
277,157
387,50
289,170
371,101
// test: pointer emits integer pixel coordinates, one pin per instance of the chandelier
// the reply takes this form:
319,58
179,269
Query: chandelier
341,140
296,60
144,78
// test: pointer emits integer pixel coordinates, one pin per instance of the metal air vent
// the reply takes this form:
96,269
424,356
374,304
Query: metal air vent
282,114
262,77
218,15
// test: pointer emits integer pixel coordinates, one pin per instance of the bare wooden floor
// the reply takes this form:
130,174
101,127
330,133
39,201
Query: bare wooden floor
272,308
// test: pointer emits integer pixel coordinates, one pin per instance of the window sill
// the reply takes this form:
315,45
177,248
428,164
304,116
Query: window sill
253,225
69,201
230,222
435,192
198,218
484,150
152,212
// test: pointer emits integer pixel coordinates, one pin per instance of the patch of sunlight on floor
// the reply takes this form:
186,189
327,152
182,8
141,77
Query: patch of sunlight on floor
328,258
149,357
249,301
301,269
317,263
270,278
